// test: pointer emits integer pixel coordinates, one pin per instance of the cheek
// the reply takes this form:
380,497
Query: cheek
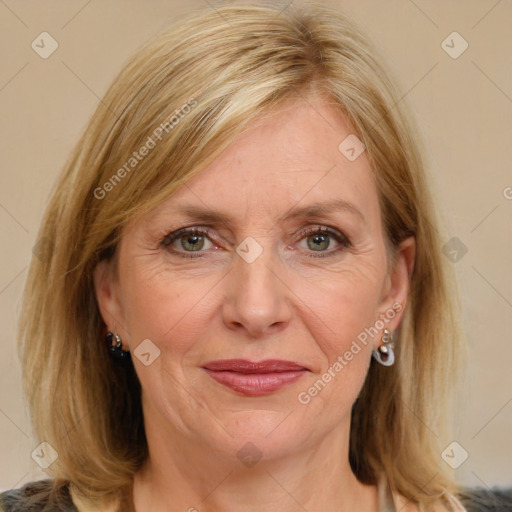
163,307
341,305
339,310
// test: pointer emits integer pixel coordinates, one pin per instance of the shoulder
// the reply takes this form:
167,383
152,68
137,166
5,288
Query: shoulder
497,499
38,496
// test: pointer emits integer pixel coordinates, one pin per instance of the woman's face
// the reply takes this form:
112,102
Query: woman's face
288,262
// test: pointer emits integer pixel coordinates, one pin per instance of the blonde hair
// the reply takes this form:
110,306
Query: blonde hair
184,97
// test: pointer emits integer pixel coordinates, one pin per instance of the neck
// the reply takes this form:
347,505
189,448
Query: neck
183,475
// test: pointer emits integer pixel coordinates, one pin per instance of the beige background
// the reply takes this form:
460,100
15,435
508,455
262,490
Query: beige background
463,106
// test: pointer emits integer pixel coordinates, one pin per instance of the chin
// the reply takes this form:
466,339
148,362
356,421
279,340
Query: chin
267,434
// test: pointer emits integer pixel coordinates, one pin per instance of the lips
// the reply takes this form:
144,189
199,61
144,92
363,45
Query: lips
254,378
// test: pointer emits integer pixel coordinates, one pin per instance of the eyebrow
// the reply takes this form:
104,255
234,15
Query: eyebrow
310,211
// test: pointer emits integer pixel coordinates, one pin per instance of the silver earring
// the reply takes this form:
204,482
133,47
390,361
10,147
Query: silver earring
385,354
115,347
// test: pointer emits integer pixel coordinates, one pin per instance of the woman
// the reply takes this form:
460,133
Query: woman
246,224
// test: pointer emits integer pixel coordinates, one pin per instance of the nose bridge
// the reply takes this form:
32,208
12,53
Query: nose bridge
257,297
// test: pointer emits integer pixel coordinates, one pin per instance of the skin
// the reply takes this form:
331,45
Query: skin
289,304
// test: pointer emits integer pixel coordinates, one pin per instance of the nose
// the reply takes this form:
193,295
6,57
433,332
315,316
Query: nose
258,298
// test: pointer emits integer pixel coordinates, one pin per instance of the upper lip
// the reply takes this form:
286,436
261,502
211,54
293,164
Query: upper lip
244,366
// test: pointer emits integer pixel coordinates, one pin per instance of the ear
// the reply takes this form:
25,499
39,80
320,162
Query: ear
397,284
106,288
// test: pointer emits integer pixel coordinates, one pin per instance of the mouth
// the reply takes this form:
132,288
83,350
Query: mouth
255,378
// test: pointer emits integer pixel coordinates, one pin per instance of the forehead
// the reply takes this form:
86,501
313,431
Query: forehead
291,158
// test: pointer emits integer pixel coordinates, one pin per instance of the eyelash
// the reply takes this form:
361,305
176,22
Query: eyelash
168,239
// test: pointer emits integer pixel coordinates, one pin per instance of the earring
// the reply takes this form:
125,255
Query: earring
115,347
385,354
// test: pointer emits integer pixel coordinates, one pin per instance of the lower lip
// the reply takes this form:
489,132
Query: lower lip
255,384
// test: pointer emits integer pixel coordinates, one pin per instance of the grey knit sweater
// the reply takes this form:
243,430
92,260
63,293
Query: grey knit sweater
36,497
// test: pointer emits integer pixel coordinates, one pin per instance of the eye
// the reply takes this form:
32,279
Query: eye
188,240
320,239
